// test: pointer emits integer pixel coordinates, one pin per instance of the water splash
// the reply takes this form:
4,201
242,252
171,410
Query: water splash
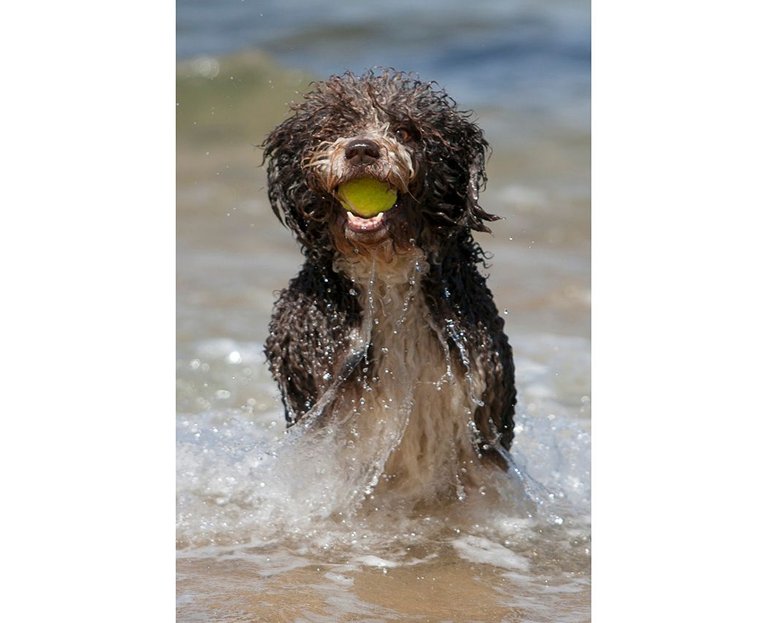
330,486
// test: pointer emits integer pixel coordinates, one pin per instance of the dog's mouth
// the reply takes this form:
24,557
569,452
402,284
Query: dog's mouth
366,225
369,204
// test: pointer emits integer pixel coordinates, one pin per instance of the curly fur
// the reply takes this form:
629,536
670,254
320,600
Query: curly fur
434,155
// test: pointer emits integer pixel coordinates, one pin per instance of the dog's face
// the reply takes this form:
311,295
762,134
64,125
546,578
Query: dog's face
389,127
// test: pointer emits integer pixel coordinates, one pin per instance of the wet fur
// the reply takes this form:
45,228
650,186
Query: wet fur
314,336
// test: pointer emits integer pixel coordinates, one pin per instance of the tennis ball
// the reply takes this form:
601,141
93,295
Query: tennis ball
366,196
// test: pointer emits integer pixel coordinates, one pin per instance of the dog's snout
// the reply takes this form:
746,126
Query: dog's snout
362,151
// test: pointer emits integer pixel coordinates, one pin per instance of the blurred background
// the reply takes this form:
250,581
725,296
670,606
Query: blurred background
523,67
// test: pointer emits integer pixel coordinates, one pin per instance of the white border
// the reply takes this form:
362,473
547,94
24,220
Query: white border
87,248
679,311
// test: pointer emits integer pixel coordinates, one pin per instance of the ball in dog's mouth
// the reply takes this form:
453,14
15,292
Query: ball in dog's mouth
366,196
366,201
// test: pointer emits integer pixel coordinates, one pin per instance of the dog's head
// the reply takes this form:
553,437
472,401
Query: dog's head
390,127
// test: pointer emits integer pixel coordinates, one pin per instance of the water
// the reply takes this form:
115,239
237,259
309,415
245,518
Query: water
268,528
519,55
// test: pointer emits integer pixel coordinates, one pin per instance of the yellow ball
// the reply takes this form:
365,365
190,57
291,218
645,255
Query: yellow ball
366,196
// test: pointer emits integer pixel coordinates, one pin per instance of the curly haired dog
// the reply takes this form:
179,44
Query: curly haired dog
390,313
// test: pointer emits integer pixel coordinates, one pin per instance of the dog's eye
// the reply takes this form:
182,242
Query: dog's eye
404,135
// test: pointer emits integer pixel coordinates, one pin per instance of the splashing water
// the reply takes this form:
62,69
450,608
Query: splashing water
242,484
346,491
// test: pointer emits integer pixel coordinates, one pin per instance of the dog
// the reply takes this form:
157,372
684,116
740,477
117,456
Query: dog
390,313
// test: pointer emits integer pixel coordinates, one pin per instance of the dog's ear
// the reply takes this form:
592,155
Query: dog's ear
286,184
476,183
273,152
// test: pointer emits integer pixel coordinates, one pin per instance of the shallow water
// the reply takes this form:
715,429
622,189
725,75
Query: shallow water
266,529
262,534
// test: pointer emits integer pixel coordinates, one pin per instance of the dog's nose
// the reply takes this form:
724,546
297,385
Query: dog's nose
362,151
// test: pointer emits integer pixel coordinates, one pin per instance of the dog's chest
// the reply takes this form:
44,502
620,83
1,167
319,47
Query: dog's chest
413,388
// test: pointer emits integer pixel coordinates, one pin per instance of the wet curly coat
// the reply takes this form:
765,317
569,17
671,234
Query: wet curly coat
409,134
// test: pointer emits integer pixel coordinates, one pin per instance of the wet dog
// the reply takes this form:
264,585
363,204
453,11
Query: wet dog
389,317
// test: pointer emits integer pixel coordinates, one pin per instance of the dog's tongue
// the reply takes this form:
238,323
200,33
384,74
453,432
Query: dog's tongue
358,223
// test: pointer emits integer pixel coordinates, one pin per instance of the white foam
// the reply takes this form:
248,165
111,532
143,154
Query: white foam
375,561
483,550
